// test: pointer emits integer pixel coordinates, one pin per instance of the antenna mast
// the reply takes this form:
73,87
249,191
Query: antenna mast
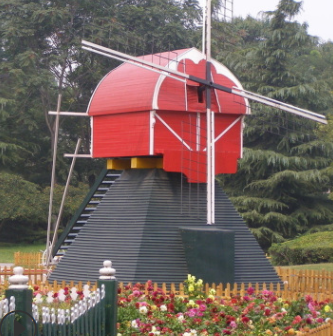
210,123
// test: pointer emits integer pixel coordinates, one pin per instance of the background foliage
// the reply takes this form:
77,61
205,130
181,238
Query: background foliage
283,186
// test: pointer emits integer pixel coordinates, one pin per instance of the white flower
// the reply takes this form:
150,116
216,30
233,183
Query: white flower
163,308
39,298
328,319
155,331
193,332
134,324
49,298
180,317
74,294
143,310
283,310
119,334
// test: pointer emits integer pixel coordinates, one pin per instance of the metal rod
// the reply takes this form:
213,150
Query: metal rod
73,114
203,29
210,123
63,201
55,145
82,156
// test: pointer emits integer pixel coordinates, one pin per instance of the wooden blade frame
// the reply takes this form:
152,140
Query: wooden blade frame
184,77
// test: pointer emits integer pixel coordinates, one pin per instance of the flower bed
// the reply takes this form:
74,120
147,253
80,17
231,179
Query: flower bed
156,313
144,310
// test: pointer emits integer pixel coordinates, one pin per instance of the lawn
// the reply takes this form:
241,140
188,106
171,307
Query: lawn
7,250
315,267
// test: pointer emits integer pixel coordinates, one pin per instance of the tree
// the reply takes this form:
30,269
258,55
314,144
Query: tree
282,183
41,57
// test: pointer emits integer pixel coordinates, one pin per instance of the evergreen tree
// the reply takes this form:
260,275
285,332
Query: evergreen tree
282,183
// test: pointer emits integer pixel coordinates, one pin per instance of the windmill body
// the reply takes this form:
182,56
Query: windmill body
151,222
139,113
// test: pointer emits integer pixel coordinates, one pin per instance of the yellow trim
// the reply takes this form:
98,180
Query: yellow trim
118,164
141,163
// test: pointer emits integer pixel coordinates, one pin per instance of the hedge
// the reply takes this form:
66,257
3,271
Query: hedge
307,249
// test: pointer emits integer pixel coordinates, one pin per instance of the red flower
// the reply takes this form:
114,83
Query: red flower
245,319
55,295
171,307
297,319
250,290
267,312
36,288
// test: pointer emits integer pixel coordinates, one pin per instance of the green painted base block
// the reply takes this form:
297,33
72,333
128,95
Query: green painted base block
209,253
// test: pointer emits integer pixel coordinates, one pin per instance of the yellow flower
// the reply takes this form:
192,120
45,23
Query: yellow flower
212,291
199,282
190,288
153,307
327,308
285,305
191,303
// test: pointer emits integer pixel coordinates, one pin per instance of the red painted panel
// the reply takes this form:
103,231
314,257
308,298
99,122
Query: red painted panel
178,157
120,135
193,164
128,88
229,103
172,94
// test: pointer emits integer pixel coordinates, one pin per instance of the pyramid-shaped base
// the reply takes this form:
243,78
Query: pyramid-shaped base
137,227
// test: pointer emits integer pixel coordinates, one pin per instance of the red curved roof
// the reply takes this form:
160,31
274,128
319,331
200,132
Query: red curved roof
130,88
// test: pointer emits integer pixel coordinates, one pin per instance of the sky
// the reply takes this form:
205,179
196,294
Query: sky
318,14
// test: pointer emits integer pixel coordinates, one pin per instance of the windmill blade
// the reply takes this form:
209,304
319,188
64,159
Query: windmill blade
183,77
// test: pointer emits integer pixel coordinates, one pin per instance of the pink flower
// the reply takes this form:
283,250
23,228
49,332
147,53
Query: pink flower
297,319
233,324
137,293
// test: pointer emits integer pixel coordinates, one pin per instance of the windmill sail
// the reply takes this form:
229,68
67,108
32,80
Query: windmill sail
184,76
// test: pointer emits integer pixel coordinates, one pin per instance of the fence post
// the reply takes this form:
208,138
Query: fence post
110,282
23,300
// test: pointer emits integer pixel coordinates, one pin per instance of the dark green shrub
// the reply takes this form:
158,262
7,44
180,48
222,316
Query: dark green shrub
308,249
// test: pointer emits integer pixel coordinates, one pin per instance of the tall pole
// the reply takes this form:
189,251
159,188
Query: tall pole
210,123
55,145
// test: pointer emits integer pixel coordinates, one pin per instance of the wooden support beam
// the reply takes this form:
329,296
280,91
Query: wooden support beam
143,162
118,164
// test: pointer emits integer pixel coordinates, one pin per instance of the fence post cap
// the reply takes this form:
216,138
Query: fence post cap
18,280
107,272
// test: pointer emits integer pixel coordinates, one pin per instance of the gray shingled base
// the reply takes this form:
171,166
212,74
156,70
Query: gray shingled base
136,226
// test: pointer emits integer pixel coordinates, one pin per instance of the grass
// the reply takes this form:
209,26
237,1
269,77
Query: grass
7,250
314,267
7,256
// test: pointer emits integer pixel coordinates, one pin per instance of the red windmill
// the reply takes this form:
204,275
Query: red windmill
183,112
155,116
